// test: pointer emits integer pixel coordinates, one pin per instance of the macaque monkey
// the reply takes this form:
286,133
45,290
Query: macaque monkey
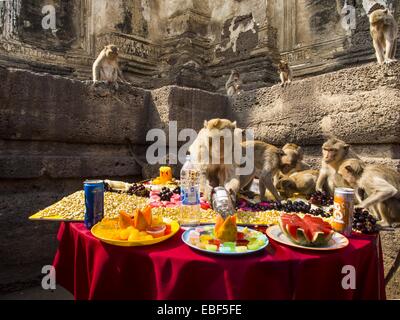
285,73
234,85
334,152
380,185
211,158
384,31
267,163
106,68
292,160
302,182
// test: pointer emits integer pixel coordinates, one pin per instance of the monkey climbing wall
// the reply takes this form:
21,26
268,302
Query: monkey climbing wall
55,132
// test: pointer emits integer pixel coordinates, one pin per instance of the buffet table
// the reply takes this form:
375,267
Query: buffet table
91,269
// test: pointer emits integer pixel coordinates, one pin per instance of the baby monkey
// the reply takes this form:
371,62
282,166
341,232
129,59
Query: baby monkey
285,73
106,68
381,186
384,31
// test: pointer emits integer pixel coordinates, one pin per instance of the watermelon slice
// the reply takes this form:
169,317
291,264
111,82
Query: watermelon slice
307,231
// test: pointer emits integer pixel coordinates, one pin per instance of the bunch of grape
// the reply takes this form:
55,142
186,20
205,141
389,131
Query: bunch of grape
166,194
321,199
363,221
177,190
320,212
295,206
138,190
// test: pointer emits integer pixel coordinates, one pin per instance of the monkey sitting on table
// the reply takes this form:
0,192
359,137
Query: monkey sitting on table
384,31
106,68
381,186
334,152
234,85
285,73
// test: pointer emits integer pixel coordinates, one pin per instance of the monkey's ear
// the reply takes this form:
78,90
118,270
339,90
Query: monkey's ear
386,10
349,169
346,147
234,124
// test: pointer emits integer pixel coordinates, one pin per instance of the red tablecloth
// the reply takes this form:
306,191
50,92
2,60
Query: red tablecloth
92,269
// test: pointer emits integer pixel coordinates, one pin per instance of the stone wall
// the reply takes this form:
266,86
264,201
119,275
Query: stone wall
55,132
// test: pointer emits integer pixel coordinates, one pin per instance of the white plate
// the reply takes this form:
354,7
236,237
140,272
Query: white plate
338,240
185,239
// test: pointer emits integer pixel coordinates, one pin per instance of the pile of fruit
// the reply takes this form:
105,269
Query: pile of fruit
306,231
364,222
139,190
224,237
141,225
321,199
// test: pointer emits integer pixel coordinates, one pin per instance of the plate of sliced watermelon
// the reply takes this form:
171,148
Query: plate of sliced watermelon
307,232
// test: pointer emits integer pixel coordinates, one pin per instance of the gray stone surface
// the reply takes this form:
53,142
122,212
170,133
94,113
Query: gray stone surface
42,157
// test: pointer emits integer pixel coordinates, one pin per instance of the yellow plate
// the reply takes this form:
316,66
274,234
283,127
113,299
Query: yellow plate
97,232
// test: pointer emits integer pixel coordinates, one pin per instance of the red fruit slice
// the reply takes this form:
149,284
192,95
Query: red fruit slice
167,229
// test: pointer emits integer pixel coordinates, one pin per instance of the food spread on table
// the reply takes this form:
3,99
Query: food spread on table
149,212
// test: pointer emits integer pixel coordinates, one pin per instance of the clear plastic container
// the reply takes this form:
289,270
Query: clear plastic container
190,194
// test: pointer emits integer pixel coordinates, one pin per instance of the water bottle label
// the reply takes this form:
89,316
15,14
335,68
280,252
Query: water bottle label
190,196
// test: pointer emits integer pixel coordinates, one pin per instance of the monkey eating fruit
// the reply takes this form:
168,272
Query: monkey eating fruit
380,185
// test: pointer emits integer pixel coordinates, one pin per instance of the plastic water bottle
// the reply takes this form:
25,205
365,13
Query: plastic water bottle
190,194
222,202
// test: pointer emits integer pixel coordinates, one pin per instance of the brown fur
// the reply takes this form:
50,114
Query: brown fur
334,152
302,182
106,68
384,31
380,185
267,163
285,73
234,84
292,160
220,173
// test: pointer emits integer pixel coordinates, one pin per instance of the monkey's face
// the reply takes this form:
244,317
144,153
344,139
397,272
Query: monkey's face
111,52
286,187
330,155
288,161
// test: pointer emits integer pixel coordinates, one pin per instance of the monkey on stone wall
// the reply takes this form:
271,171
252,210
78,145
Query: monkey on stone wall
380,185
384,32
234,84
106,68
334,152
285,73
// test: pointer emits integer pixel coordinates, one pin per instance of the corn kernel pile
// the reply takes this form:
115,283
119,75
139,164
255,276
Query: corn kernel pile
72,207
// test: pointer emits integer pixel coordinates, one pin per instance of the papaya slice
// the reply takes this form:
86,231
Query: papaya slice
142,219
147,215
227,232
125,220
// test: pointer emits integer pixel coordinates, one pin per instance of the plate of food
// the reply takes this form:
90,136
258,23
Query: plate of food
308,232
225,238
140,228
